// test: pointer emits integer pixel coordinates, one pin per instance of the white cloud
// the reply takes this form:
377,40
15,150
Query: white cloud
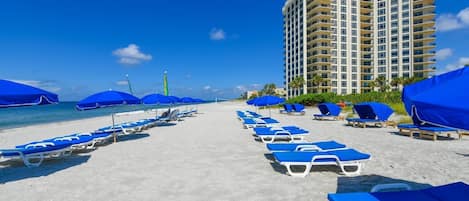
45,85
122,83
131,55
448,22
217,34
208,87
459,64
443,54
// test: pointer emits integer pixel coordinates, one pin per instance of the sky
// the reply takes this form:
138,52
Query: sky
210,48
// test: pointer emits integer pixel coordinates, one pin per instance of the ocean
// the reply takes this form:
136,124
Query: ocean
64,111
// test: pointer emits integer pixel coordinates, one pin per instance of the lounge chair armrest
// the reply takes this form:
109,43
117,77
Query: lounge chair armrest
326,157
308,147
41,144
387,187
282,132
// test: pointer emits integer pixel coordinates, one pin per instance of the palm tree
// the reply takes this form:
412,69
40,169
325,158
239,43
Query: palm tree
269,89
317,81
297,83
397,82
382,84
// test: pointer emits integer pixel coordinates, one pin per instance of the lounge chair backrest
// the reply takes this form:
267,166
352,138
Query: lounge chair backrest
288,107
373,110
298,107
329,109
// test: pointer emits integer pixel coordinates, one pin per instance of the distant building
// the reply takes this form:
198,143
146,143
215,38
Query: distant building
281,92
250,94
341,46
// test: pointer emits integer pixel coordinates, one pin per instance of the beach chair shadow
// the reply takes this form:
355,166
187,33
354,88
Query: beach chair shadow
364,183
15,170
465,155
130,137
269,156
416,136
165,124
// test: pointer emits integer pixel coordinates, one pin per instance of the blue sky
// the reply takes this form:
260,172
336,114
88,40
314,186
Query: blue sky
211,48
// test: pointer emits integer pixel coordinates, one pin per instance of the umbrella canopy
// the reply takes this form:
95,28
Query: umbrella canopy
175,99
441,100
268,101
373,110
187,100
329,109
14,94
106,99
250,102
157,99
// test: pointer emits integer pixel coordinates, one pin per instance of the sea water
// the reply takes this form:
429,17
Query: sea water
64,111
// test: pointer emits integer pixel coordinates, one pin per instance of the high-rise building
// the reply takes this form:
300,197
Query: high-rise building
341,46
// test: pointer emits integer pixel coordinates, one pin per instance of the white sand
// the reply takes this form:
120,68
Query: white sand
210,157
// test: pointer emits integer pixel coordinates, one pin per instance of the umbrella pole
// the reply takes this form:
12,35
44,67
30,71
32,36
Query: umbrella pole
113,129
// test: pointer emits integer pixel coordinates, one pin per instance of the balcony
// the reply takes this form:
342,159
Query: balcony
424,54
319,16
424,39
421,30
424,46
423,61
319,8
318,2
424,7
424,24
424,15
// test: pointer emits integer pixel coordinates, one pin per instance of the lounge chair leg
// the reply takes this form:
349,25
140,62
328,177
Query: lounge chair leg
298,174
352,173
28,163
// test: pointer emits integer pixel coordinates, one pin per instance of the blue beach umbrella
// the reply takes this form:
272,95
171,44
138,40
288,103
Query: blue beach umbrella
107,99
157,99
441,100
175,99
14,94
250,102
187,100
268,101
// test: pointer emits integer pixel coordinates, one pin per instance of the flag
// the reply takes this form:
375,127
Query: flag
165,84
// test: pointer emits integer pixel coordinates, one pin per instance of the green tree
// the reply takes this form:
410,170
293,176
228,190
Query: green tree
269,89
317,81
297,82
397,82
381,83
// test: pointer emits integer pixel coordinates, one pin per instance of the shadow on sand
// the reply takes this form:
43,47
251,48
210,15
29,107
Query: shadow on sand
165,124
15,170
416,136
364,183
130,137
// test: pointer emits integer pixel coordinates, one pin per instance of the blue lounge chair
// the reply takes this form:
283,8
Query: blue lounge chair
270,134
298,109
258,122
373,113
328,111
425,130
307,146
342,158
451,192
247,114
34,154
287,108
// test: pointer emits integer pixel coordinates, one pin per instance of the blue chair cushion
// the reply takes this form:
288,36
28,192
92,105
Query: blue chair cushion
343,155
326,145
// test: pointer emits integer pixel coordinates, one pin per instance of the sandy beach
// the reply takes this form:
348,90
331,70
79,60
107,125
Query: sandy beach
211,157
